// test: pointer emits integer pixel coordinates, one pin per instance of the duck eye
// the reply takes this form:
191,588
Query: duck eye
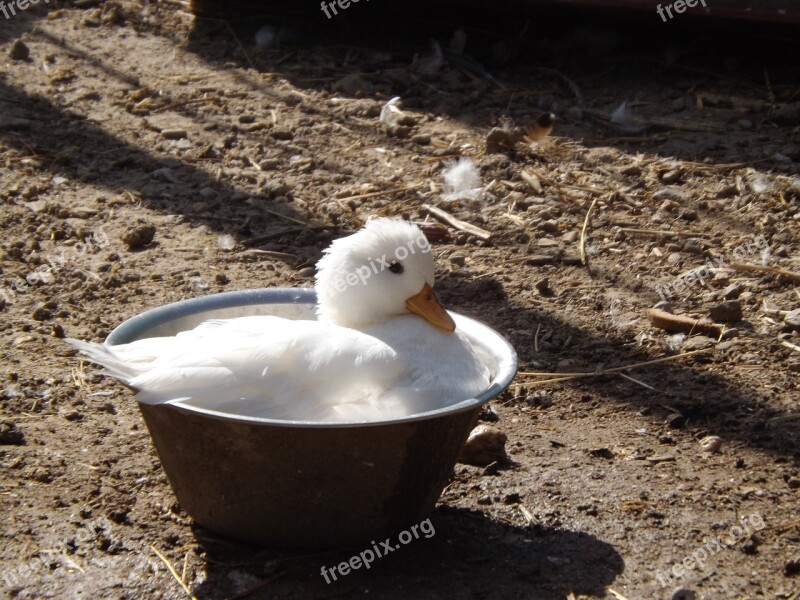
396,267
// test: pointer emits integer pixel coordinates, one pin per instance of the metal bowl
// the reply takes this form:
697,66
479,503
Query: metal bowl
302,484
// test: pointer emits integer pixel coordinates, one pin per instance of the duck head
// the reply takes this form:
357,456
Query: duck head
381,271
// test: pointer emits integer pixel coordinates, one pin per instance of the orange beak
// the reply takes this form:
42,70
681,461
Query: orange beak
426,305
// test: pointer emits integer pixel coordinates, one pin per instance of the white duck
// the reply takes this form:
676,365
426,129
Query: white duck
383,346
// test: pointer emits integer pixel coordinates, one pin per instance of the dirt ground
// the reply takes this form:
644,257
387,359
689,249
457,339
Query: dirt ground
121,116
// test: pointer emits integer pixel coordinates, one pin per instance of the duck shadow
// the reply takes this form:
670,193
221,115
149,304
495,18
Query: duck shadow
464,554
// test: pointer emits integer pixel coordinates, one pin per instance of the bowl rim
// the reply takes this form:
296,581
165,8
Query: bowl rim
128,330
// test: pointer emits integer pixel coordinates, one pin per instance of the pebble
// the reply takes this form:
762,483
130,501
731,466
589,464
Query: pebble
670,193
41,314
671,177
485,445
792,321
732,292
730,310
139,235
458,259
683,593
699,342
693,246
423,139
307,272
499,140
173,134
275,188
711,443
10,435
746,296
549,226
731,333
793,483
19,51
674,258
570,236
543,287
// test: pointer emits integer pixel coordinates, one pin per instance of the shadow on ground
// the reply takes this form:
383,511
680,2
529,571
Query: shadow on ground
467,556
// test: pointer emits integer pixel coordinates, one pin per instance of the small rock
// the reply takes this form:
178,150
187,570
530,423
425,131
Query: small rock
732,292
670,193
674,258
693,246
601,453
570,236
750,546
19,51
729,334
173,134
549,226
746,296
221,279
671,177
41,314
275,188
730,310
512,498
488,414
699,342
676,421
139,235
10,435
791,321
793,483
543,287
423,139
458,259
307,272
631,171
499,140
683,593
485,445
711,443
282,134
247,119
791,568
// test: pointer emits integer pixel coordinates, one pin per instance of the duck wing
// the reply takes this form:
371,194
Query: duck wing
258,366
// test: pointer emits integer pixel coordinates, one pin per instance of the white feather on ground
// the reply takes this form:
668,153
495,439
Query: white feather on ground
462,180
